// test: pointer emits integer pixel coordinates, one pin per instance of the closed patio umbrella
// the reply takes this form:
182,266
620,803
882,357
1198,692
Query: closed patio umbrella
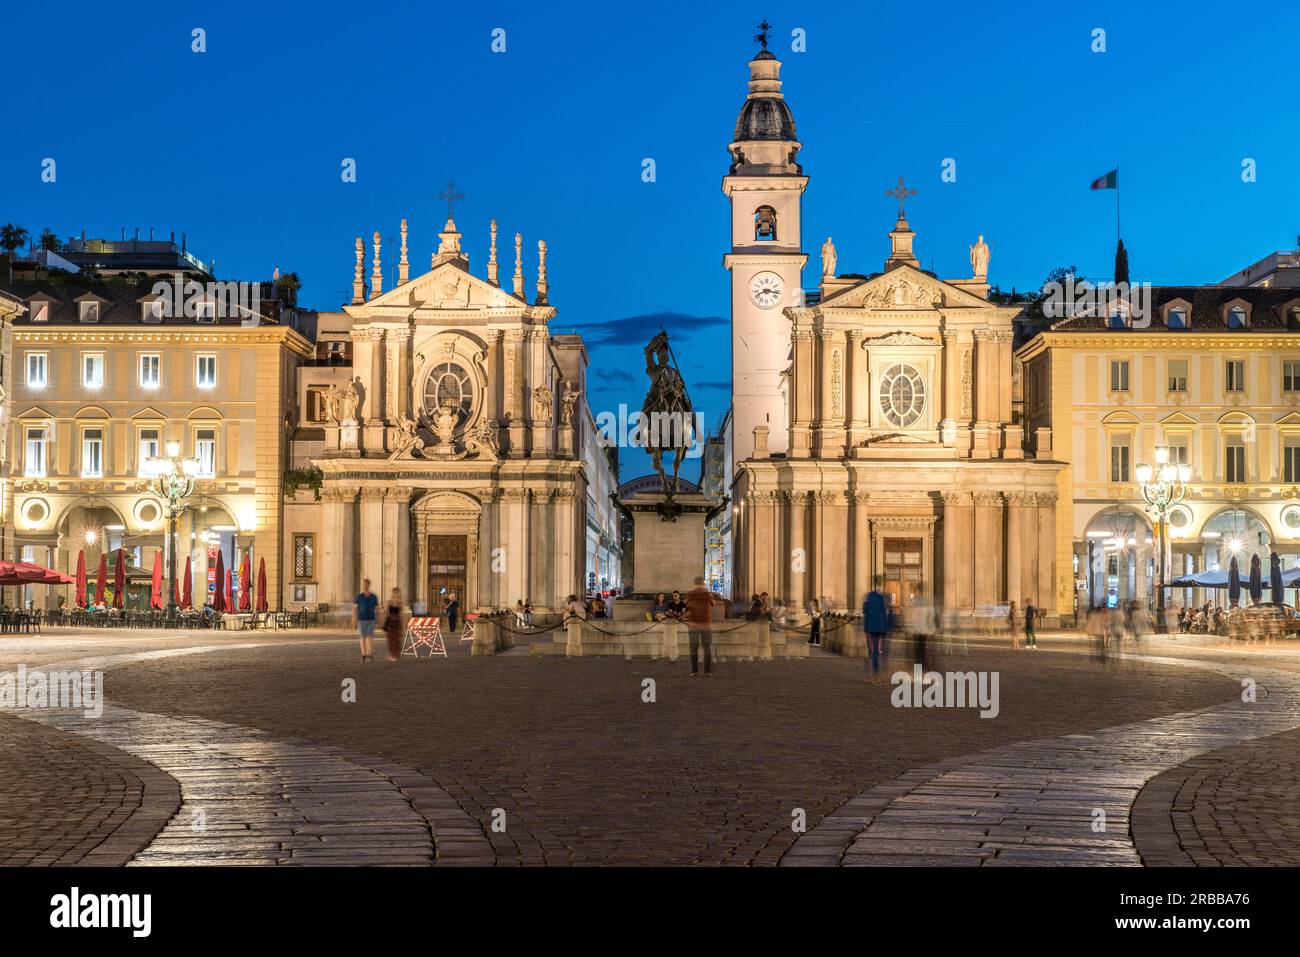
1275,578
119,579
187,587
219,592
1256,581
1234,582
230,595
261,584
245,580
155,593
81,578
101,579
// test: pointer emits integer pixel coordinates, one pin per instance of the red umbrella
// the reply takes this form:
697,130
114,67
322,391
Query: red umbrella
119,579
187,592
261,584
230,595
245,593
219,593
101,579
81,578
176,597
29,573
155,594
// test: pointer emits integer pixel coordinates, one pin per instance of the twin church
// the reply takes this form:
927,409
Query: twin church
871,431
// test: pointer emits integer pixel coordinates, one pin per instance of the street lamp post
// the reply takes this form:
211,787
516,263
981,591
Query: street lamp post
173,482
1164,485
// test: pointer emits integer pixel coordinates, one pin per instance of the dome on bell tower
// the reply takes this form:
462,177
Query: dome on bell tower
765,140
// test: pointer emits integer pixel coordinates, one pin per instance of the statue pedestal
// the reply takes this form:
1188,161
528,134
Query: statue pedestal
668,540
349,438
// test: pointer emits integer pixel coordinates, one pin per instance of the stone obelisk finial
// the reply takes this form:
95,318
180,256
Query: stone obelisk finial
492,256
519,265
541,272
377,273
403,264
359,275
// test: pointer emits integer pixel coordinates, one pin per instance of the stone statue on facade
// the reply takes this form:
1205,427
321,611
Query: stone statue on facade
407,441
543,405
669,422
482,441
348,399
979,258
829,259
444,427
567,403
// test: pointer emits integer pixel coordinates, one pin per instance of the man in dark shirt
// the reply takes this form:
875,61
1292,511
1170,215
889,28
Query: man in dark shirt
698,616
364,618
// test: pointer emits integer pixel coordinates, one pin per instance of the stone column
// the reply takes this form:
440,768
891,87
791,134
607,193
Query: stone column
796,561
396,536
399,374
1022,528
860,549
516,402
1047,553
801,394
859,387
492,363
988,547
985,392
958,552
371,539
951,388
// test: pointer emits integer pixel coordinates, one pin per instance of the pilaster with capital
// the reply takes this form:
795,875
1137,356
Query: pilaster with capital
802,394
858,383
1046,548
831,414
958,551
988,546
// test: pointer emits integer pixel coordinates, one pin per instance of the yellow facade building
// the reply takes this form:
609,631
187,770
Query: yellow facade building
1212,373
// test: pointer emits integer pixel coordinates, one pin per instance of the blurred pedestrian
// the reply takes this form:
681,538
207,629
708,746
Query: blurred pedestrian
698,614
1031,623
815,619
1011,626
919,616
363,617
394,624
875,622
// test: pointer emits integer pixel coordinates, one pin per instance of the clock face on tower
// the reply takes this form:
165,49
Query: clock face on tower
765,290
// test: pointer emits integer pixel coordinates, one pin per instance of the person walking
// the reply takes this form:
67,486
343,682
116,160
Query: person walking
698,615
875,622
363,619
394,624
452,609
1031,620
815,619
1011,626
920,622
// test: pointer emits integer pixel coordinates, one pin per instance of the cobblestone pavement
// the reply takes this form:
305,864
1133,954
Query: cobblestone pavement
1063,800
249,799
65,800
584,771
1236,806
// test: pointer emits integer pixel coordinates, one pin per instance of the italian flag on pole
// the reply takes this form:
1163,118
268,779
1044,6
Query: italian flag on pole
1109,181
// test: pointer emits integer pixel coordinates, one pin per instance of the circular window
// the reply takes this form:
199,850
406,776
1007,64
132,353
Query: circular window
1180,518
1291,518
147,512
448,382
35,511
902,395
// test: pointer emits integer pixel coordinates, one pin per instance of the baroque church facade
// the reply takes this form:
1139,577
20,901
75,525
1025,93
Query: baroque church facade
872,430
452,451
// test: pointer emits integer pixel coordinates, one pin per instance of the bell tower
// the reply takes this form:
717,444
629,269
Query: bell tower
765,185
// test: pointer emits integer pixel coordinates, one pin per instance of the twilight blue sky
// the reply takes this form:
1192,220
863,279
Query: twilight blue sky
241,146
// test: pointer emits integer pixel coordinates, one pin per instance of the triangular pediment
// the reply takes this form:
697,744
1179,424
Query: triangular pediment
1178,418
903,287
445,286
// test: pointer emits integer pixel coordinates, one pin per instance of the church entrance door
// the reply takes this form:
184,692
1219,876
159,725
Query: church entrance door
448,557
902,570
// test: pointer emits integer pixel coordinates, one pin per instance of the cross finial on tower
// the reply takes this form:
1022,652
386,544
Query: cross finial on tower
450,194
764,30
901,193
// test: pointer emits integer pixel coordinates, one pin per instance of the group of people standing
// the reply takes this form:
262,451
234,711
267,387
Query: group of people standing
392,618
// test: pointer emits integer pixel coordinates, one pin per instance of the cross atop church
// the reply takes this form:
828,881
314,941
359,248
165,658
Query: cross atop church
764,29
451,195
901,193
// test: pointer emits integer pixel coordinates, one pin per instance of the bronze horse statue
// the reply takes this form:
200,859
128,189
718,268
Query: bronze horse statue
669,424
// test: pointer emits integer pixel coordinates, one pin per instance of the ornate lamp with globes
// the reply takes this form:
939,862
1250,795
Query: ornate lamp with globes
171,478
1163,485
